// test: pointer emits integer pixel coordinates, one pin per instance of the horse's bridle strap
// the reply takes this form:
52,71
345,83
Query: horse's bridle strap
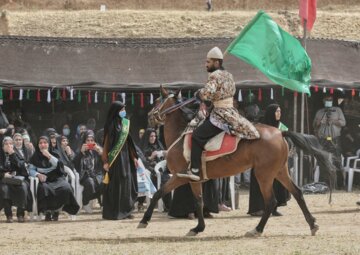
177,106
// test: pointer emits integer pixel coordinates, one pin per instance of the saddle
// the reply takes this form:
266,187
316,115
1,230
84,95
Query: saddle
218,146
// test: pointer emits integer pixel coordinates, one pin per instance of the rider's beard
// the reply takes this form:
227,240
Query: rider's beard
211,69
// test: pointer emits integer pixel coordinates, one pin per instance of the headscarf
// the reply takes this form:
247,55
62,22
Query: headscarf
113,123
88,158
38,159
5,162
62,153
270,115
146,146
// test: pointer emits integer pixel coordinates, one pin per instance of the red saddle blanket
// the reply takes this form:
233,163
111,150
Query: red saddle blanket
218,146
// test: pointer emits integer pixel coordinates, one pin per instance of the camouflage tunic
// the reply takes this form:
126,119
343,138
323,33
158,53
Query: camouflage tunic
219,88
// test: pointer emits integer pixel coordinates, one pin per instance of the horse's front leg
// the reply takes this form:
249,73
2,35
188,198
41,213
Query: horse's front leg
196,188
170,185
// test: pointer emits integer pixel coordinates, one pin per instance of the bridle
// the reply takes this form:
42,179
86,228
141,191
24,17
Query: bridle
159,114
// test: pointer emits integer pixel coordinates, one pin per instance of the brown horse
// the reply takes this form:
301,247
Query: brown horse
268,156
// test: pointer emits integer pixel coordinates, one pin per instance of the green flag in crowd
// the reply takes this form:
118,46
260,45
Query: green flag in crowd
277,54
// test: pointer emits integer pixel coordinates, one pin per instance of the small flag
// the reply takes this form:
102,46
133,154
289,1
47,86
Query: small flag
21,94
105,97
123,96
1,97
48,98
240,99
307,11
89,97
64,94
96,97
71,94
151,98
260,95
79,96
142,100
38,96
11,94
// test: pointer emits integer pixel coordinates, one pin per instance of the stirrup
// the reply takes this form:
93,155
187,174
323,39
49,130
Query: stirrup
188,174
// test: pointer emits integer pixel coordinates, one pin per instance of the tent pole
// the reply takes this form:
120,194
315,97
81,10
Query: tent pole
302,117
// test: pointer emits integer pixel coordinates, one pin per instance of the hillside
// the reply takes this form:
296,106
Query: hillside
337,19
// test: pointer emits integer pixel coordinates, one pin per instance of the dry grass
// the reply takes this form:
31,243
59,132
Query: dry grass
339,233
124,23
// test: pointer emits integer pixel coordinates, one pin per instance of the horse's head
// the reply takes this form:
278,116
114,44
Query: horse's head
167,99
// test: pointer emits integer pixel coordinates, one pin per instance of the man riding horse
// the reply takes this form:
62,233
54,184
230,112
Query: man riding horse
219,90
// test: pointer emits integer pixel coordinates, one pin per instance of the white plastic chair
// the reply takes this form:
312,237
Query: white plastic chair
352,166
158,166
34,183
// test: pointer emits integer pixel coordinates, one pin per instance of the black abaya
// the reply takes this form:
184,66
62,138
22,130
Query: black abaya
120,193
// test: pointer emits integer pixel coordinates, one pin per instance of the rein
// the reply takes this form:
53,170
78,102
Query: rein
177,106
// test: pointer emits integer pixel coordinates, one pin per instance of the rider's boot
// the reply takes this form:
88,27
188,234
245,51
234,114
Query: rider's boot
192,174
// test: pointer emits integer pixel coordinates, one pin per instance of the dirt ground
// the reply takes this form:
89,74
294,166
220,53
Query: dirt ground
224,234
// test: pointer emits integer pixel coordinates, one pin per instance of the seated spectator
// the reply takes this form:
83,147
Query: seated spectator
20,148
66,154
54,192
154,153
77,140
89,165
153,149
28,144
14,184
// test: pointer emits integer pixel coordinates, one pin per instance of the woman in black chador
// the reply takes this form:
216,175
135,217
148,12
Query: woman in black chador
54,192
256,202
88,163
14,182
119,157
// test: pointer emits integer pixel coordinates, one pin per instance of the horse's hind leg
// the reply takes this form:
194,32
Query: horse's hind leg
197,192
266,187
170,185
285,180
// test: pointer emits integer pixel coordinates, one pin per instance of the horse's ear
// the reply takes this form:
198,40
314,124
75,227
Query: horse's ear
163,91
179,95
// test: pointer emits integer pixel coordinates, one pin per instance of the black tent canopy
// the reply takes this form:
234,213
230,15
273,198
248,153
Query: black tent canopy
130,64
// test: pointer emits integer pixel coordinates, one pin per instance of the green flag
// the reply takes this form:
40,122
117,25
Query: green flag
277,54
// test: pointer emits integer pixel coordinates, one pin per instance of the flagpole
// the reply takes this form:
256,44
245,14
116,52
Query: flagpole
302,124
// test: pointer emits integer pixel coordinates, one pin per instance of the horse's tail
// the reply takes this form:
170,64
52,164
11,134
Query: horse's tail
310,145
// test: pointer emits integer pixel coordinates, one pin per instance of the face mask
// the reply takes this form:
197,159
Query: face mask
66,131
122,114
328,103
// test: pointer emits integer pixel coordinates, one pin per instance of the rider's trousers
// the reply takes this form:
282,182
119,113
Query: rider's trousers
200,137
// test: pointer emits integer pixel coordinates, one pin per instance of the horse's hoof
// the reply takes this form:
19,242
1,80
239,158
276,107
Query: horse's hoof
191,233
314,229
253,233
142,225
